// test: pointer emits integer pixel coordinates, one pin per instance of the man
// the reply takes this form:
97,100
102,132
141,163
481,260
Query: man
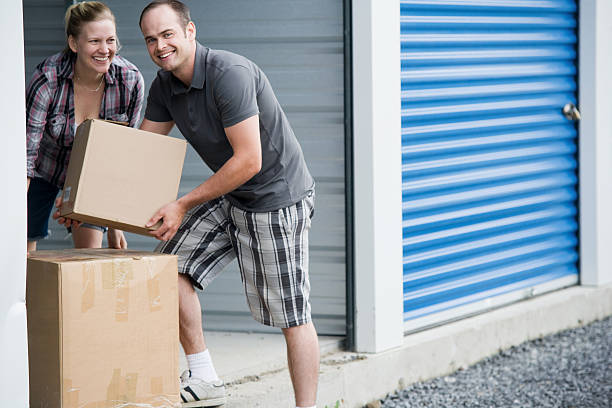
256,207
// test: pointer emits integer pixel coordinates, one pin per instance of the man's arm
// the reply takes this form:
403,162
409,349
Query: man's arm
162,128
240,168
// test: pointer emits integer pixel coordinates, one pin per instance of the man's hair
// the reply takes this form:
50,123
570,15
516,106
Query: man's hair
84,12
181,10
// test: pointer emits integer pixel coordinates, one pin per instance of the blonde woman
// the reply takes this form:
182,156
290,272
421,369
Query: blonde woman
87,80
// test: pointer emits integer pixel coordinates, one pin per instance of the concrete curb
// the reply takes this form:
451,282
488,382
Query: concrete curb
352,379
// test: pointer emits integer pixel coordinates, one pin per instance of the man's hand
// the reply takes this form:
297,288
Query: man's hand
172,215
116,239
67,222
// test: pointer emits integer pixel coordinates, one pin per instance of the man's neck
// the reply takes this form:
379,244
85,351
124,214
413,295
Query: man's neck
185,72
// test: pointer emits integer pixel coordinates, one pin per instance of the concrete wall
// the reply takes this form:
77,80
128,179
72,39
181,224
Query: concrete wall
595,98
377,171
13,333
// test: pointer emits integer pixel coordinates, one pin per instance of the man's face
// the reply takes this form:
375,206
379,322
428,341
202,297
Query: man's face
168,43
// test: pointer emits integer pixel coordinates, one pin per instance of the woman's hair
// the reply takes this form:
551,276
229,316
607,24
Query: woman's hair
85,12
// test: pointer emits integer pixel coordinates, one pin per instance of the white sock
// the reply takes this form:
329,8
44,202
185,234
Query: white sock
314,406
201,366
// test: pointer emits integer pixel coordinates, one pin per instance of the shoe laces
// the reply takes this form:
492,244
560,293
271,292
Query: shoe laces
187,379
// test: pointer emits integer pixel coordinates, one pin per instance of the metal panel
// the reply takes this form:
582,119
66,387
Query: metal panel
489,161
299,44
43,30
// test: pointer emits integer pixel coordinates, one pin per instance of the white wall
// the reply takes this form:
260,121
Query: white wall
13,333
595,73
377,175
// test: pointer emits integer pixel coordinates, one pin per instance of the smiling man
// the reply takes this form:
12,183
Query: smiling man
256,207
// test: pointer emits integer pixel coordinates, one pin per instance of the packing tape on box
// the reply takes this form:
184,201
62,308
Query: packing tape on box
117,275
121,393
122,388
88,292
153,288
157,385
71,395
157,402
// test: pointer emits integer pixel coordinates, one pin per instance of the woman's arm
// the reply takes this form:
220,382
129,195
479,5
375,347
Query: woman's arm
136,101
38,98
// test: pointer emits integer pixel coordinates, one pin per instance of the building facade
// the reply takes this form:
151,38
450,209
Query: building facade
452,173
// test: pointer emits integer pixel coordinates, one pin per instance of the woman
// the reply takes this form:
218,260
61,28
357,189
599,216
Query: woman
87,80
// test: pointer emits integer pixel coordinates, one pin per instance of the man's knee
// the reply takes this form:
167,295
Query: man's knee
300,330
185,284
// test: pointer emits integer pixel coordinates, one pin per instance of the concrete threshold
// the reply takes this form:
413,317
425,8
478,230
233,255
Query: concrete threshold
254,365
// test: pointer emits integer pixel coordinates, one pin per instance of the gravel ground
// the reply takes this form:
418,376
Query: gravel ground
568,369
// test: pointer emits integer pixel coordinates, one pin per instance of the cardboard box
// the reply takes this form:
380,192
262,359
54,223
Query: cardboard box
102,329
120,176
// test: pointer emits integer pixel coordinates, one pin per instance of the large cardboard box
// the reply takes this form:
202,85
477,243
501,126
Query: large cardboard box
102,329
119,176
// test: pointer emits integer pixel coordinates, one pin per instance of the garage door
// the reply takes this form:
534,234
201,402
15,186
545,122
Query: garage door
299,44
489,160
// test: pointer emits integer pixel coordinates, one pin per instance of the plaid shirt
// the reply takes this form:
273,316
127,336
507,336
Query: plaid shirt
50,111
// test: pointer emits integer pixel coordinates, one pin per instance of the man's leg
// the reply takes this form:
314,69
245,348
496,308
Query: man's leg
190,318
272,251
203,249
201,387
303,360
191,334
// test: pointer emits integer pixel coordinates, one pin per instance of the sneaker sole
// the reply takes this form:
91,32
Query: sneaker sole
214,402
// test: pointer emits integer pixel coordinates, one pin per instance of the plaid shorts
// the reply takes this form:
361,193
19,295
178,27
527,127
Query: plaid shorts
271,248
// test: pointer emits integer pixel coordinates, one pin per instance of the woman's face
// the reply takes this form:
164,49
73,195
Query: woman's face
95,46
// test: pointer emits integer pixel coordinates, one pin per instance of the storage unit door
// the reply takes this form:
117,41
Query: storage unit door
299,45
488,158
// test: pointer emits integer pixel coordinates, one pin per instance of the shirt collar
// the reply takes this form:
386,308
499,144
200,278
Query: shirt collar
67,69
199,72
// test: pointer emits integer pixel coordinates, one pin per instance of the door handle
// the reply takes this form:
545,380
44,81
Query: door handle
571,112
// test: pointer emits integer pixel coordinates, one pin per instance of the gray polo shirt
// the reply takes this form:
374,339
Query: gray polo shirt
226,89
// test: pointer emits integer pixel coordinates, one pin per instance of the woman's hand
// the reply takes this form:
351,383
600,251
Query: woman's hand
116,239
67,222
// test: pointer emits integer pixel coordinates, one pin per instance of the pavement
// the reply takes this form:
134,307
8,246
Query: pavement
254,365
243,357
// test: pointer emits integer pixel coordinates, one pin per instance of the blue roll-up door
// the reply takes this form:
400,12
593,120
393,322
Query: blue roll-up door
488,159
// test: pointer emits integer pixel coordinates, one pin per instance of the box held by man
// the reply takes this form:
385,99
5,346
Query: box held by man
120,176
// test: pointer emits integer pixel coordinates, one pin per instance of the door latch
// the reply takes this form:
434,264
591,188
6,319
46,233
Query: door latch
571,112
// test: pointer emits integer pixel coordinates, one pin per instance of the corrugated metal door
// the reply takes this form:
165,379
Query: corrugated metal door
489,161
299,44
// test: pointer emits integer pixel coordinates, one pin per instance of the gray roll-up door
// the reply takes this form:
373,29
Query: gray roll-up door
299,45
43,31
489,160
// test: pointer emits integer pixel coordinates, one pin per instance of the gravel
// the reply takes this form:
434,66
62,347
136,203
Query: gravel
572,368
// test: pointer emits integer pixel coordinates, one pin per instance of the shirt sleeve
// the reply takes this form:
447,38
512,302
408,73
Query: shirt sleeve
136,101
156,108
39,96
235,93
